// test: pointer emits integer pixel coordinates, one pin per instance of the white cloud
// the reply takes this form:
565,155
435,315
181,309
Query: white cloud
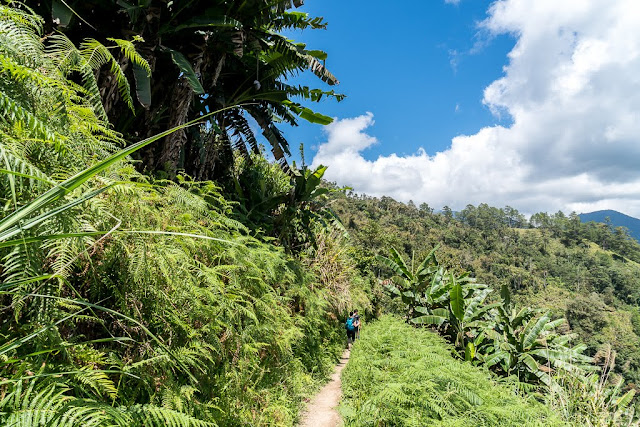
454,2
454,60
572,88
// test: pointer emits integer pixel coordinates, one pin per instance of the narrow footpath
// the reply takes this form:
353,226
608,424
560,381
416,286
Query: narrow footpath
321,411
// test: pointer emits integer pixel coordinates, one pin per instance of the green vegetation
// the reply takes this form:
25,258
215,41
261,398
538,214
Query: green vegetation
521,344
204,55
586,273
138,290
516,342
403,376
614,219
132,300
531,344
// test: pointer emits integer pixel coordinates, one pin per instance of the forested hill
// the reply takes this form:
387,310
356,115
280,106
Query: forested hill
615,219
588,273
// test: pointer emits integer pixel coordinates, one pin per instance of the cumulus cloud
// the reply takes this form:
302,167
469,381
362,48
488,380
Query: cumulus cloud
572,89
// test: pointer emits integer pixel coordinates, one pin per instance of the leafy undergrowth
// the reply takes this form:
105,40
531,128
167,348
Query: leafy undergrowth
401,376
131,301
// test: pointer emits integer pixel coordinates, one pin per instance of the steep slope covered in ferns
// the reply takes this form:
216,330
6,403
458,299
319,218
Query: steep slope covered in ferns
402,376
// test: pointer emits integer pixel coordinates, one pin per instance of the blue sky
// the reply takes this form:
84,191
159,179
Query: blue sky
531,104
420,69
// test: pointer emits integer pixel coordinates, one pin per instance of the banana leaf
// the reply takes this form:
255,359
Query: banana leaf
457,301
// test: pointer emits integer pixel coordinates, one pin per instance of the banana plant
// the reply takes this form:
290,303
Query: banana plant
466,317
421,288
304,207
524,343
437,297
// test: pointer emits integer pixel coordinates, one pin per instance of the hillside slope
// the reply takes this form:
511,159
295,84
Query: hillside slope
403,376
584,272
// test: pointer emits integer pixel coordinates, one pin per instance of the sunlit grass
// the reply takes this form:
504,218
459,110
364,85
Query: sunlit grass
403,376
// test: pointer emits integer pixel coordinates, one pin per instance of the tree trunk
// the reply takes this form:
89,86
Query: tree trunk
180,104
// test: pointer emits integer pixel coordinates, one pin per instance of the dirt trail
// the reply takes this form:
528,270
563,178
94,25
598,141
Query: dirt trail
321,411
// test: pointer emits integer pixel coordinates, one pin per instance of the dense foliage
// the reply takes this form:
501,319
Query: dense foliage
585,272
133,301
203,56
152,295
514,342
536,261
402,376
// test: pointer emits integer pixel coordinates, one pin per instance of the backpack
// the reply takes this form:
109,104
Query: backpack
349,324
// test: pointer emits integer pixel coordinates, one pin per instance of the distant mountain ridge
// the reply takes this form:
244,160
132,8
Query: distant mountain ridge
618,219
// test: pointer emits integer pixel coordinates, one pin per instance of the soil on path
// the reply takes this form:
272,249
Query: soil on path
321,411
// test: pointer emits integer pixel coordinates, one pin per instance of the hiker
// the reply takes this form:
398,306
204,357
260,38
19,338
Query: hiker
356,323
351,330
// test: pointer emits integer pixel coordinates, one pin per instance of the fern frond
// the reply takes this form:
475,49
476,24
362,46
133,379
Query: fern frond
91,85
19,35
21,262
97,380
33,407
22,74
50,406
12,112
30,177
130,52
154,416
26,18
96,55
63,52
89,58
